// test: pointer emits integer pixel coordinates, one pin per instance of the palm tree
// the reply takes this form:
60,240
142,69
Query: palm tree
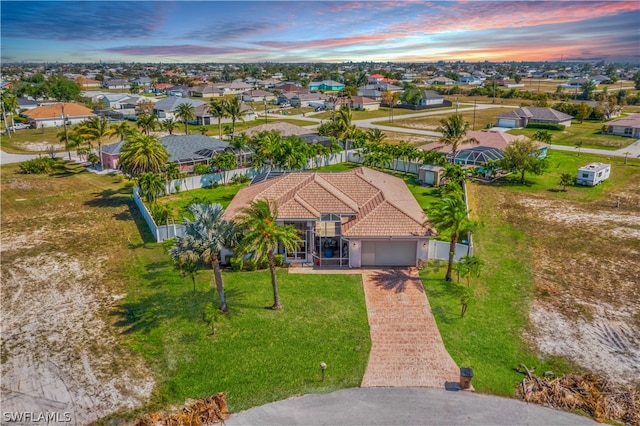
96,129
240,143
471,267
185,254
375,135
454,129
542,136
122,130
9,107
347,129
263,236
147,122
212,234
185,112
151,186
450,216
218,110
225,162
233,110
291,154
169,125
171,172
142,153
265,146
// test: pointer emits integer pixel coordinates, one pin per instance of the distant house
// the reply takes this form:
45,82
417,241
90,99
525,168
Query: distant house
305,99
376,90
185,150
593,174
326,85
25,103
521,117
88,83
441,81
628,126
287,129
165,108
290,87
256,96
52,115
470,80
143,81
116,83
204,117
362,103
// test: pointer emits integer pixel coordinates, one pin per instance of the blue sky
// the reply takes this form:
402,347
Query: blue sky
318,31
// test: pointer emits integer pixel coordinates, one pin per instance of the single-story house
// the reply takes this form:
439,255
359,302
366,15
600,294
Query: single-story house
142,81
304,99
116,83
626,126
327,85
256,96
51,115
290,87
204,117
87,83
577,83
375,90
490,146
441,81
186,150
470,80
165,108
357,218
362,103
26,103
521,117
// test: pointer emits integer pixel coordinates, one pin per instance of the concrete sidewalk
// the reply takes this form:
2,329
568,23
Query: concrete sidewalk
403,406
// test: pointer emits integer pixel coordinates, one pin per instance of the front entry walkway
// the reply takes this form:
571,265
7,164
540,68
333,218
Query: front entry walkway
406,346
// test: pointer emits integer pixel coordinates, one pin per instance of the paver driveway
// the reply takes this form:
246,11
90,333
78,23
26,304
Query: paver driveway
406,346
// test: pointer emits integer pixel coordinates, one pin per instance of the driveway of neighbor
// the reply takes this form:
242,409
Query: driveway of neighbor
406,346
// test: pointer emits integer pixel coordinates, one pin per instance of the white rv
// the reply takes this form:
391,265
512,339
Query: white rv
593,174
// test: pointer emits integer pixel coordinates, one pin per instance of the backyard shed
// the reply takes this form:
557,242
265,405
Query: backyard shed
430,175
593,174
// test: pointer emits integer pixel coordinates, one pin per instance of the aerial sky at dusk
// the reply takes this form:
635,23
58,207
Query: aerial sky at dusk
319,31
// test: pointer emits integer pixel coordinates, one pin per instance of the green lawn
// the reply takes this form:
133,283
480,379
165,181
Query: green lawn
478,120
256,355
587,132
178,203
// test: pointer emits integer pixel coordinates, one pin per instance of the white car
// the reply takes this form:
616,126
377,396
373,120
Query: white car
19,126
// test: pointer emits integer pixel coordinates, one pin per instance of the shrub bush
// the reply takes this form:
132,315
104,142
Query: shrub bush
263,263
236,263
240,179
201,169
279,258
251,264
546,126
39,165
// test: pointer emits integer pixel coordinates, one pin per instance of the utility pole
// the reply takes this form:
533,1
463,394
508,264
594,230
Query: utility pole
473,126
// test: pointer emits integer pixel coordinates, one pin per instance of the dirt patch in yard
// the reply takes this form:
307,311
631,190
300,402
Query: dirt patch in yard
587,277
61,245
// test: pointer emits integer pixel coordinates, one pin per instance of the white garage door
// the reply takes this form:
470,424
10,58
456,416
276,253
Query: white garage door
506,123
389,253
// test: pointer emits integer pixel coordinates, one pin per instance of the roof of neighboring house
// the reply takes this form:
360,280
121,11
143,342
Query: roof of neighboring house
182,148
537,113
489,139
27,103
632,120
288,87
257,92
375,204
288,129
54,111
326,83
363,100
172,102
203,110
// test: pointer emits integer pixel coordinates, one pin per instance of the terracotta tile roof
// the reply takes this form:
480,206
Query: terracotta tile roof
53,111
490,139
373,203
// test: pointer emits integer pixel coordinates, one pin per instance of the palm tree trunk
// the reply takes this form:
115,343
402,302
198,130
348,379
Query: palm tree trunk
452,252
215,263
274,281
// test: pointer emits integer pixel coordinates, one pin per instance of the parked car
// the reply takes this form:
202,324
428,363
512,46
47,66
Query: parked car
19,126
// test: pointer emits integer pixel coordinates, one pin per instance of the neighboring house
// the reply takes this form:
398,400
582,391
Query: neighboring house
159,88
51,115
165,108
116,83
441,81
471,80
627,126
521,117
204,117
26,103
88,83
326,85
305,99
256,96
287,129
185,150
269,83
180,90
593,174
357,218
141,81
376,90
577,83
290,87
490,147
362,103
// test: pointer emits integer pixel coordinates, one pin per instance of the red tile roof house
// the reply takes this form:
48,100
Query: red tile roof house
521,117
357,218
627,126
51,115
362,103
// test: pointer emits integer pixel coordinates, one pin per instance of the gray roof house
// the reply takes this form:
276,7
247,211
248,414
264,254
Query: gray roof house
165,108
186,150
521,117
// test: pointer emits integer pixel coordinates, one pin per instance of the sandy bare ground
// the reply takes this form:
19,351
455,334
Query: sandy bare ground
60,350
587,272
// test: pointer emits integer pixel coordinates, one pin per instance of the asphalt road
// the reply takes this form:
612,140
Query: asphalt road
403,406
